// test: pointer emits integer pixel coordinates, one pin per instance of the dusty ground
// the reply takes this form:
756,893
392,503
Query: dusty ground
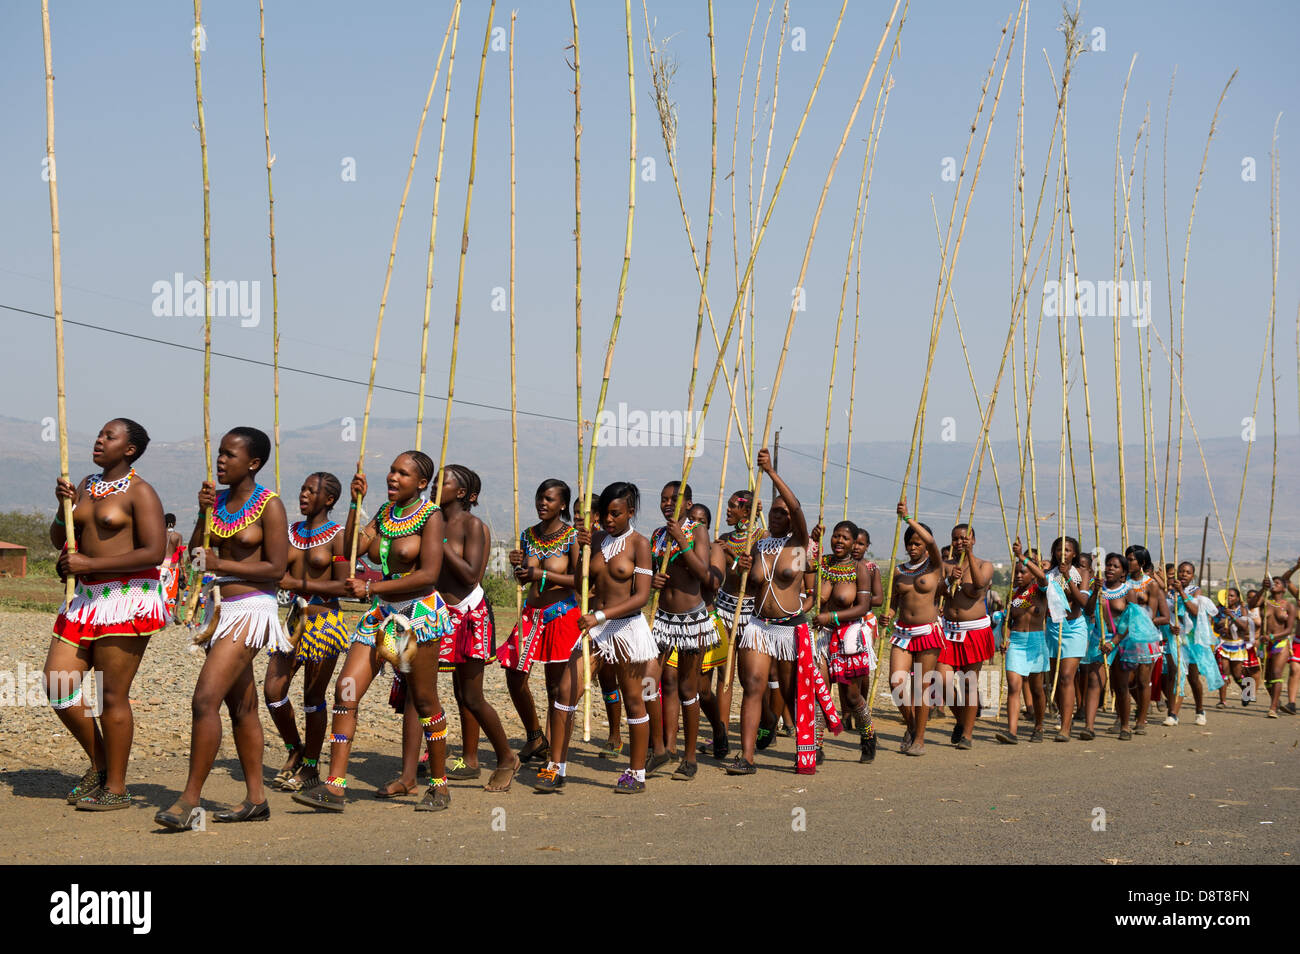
1223,793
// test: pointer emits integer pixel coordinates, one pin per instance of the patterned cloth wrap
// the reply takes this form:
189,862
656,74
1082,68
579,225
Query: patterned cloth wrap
169,574
1139,640
810,691
1235,648
853,649
428,616
131,605
1195,644
1027,652
473,632
546,634
626,639
918,639
325,635
966,642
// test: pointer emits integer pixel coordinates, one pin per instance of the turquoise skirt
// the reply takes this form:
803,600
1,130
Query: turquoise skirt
1026,652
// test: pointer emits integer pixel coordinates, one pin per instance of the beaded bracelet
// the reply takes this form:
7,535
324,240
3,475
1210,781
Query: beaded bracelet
835,618
542,585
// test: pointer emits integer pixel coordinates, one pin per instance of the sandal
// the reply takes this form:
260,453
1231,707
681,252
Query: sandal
609,751
102,800
908,739
461,771
537,749
396,789
506,772
286,773
180,817
91,781
307,776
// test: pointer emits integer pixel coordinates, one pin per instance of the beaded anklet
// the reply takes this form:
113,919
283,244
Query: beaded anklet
336,781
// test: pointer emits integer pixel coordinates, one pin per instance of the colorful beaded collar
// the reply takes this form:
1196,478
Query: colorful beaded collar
227,524
549,545
304,538
838,572
98,487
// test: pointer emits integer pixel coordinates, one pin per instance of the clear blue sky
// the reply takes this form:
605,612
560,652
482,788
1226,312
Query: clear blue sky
348,80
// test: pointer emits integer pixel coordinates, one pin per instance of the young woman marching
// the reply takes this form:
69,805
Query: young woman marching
548,556
1026,645
1235,643
777,632
620,572
682,622
252,550
317,631
118,604
1066,628
917,638
1127,636
725,557
1293,681
1278,627
406,539
472,641
1151,596
1195,657
967,630
850,587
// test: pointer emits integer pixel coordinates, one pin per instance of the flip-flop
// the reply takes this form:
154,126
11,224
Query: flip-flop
388,790
510,771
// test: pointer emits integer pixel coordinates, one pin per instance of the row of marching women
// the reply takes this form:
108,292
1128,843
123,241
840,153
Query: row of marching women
791,610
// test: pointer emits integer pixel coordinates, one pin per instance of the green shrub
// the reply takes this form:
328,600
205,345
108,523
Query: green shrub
28,529
500,589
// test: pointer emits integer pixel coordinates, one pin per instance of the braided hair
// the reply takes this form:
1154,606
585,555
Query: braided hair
467,480
135,434
423,463
329,486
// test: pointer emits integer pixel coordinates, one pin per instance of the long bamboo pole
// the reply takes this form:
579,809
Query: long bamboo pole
383,303
464,248
207,269
660,78
70,585
270,203
609,363
1182,314
736,376
453,28
514,390
803,272
577,235
1169,290
1275,230
947,267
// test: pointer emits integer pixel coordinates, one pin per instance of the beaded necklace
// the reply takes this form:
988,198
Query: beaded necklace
736,543
1024,597
661,543
98,487
1117,592
392,526
914,569
227,524
304,539
838,572
548,545
612,546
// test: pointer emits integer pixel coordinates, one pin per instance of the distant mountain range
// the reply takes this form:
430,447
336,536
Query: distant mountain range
28,466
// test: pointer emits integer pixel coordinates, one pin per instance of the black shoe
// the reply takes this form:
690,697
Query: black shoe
740,767
765,738
656,762
721,747
956,733
1289,708
821,755
867,746
685,771
180,817
321,797
246,811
